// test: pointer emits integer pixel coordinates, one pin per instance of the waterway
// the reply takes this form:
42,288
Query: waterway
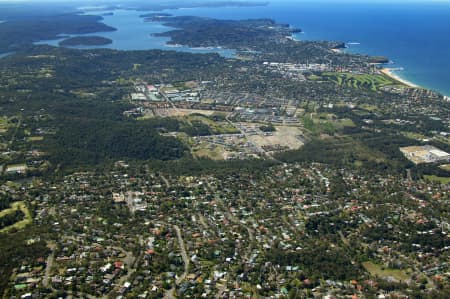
414,35
133,33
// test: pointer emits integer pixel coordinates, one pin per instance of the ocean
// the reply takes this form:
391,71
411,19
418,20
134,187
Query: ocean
415,36
5,54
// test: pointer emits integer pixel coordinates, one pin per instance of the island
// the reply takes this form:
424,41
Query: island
85,41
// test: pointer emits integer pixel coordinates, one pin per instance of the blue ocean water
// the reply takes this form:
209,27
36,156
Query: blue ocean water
415,36
2,55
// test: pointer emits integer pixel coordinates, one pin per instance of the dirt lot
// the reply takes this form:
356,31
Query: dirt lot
284,136
182,112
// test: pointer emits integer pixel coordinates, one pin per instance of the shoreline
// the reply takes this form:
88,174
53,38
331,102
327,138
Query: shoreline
6,54
390,73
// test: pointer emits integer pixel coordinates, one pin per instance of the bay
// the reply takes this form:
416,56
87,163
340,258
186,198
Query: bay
133,33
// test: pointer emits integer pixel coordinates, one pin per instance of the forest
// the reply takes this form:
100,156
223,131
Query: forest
85,41
11,218
18,34
96,141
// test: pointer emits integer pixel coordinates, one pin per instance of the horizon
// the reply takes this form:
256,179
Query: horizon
256,1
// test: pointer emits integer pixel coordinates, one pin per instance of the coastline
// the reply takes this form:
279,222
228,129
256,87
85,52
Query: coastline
390,73
6,54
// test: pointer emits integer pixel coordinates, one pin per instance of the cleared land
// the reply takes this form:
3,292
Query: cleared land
283,136
217,127
325,123
377,270
169,112
16,168
212,152
184,112
446,167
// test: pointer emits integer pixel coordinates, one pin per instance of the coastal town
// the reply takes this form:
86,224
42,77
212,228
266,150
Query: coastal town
136,232
291,170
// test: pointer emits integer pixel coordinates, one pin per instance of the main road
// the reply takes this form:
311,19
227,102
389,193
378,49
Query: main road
169,294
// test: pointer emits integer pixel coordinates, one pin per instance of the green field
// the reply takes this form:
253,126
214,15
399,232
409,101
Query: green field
368,107
21,224
35,138
413,135
377,270
325,123
4,124
216,127
446,167
364,81
442,180
215,154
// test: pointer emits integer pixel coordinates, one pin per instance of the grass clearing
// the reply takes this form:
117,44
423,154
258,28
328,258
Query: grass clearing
368,107
146,117
217,127
325,124
445,167
35,138
415,136
314,78
284,136
377,270
345,122
4,124
434,178
21,224
17,168
215,153
358,81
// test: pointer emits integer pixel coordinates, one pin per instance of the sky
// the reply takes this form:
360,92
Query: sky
90,2
162,1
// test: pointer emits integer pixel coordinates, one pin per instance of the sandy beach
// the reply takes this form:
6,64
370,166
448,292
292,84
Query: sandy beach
389,72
